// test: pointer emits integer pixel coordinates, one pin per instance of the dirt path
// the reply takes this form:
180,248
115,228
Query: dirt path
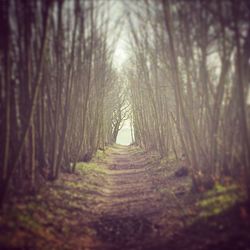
131,202
134,213
130,187
124,199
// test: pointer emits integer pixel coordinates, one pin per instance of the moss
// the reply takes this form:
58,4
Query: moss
32,206
73,184
100,155
219,199
28,222
90,166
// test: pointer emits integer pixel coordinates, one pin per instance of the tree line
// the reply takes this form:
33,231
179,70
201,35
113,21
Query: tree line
58,88
189,77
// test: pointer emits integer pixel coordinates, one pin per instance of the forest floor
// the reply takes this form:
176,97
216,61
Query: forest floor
126,199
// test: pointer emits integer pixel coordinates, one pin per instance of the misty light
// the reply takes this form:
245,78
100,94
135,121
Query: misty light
125,135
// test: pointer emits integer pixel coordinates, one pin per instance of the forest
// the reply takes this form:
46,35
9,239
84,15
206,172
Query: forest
74,74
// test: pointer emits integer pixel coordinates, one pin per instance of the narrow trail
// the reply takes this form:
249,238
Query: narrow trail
130,187
133,213
127,211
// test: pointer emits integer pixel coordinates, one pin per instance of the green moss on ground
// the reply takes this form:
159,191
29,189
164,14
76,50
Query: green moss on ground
100,155
90,167
219,199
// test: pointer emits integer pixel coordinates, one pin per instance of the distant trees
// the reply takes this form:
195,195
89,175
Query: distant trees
116,108
190,82
56,74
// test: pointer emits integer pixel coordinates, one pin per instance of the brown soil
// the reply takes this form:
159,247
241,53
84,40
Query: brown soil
134,203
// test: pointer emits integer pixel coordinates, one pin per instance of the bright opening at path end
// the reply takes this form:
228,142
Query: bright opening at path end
125,135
